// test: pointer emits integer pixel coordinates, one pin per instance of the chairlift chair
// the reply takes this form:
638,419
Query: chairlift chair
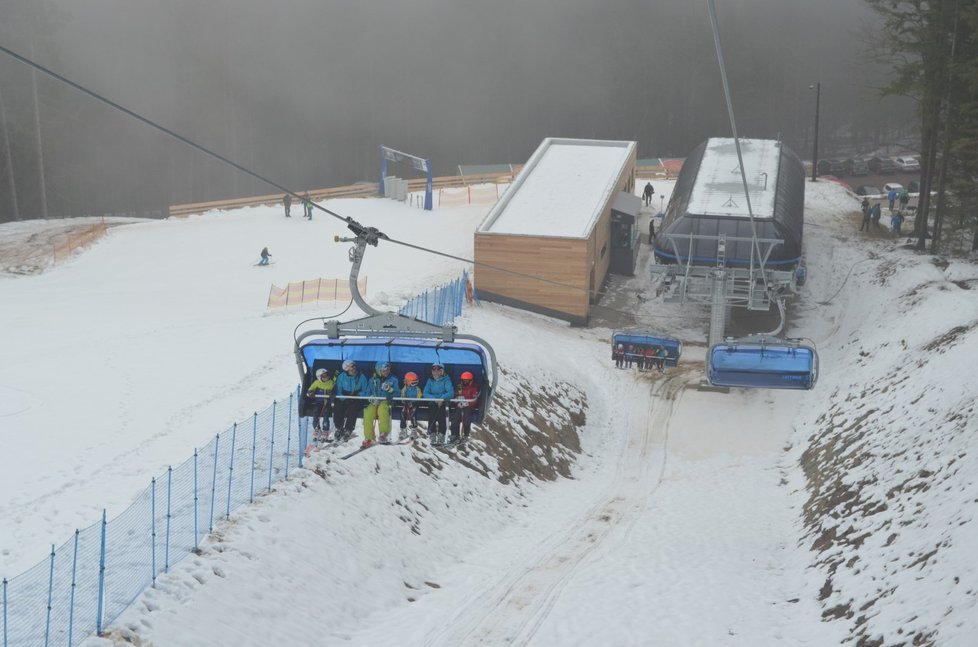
407,343
763,362
647,338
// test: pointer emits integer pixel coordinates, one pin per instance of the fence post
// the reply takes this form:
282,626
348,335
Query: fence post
152,531
254,440
217,445
196,514
234,440
271,451
71,600
169,492
101,580
47,621
288,441
4,612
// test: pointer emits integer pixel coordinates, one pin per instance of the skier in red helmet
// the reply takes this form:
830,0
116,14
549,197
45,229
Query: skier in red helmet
467,397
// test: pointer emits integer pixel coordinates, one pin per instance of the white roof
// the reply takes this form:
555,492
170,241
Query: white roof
562,189
719,187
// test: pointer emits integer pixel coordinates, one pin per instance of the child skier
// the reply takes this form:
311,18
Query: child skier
265,255
321,391
468,394
409,413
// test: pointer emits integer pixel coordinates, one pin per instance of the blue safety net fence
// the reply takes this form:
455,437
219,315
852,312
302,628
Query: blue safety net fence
89,580
439,305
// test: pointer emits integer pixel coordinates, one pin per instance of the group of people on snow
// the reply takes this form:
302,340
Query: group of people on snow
872,213
644,357
306,205
342,399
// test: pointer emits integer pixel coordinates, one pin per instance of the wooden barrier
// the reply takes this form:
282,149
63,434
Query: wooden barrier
360,190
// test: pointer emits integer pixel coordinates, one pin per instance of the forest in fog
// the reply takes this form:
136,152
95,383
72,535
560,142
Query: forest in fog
304,91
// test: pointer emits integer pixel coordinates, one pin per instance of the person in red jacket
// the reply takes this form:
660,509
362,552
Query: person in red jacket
467,397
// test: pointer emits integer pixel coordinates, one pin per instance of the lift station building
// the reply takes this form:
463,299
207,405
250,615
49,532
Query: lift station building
555,222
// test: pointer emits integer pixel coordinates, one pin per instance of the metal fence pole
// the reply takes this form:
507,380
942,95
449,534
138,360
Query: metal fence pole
152,532
196,514
101,580
169,492
5,612
298,429
271,450
288,441
234,440
47,621
71,600
254,440
217,445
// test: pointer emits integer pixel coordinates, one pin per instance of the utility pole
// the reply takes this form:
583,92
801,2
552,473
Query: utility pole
818,97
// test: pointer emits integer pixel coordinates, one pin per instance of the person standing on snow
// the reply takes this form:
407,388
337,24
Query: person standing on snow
468,394
438,387
265,255
891,195
647,193
874,213
866,212
381,388
321,392
307,205
346,410
409,415
287,201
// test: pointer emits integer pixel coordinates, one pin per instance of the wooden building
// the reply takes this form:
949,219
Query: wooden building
554,223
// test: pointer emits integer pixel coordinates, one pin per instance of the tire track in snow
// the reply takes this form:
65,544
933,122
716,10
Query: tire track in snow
515,607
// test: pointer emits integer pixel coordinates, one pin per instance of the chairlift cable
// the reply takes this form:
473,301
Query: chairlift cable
733,127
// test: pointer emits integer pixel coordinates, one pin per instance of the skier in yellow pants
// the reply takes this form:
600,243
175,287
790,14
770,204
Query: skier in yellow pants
381,389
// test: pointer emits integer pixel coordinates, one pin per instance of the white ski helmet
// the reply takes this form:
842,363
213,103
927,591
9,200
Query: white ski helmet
320,373
348,364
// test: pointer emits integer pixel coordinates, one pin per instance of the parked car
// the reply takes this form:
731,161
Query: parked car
907,164
892,186
882,166
834,167
858,165
868,190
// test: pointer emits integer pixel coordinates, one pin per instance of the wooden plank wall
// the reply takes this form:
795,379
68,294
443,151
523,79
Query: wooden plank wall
562,260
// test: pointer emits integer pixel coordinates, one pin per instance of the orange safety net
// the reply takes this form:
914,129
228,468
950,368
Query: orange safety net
86,236
302,292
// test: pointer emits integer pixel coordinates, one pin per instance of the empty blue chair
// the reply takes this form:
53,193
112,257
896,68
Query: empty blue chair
763,364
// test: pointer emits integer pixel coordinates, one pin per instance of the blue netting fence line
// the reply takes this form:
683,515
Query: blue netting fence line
442,304
87,582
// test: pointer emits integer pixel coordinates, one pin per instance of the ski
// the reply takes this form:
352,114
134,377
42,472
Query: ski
357,451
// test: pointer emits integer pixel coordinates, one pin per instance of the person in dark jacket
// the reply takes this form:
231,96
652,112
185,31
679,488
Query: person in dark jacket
651,229
307,205
647,193
265,255
874,214
866,212
287,201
